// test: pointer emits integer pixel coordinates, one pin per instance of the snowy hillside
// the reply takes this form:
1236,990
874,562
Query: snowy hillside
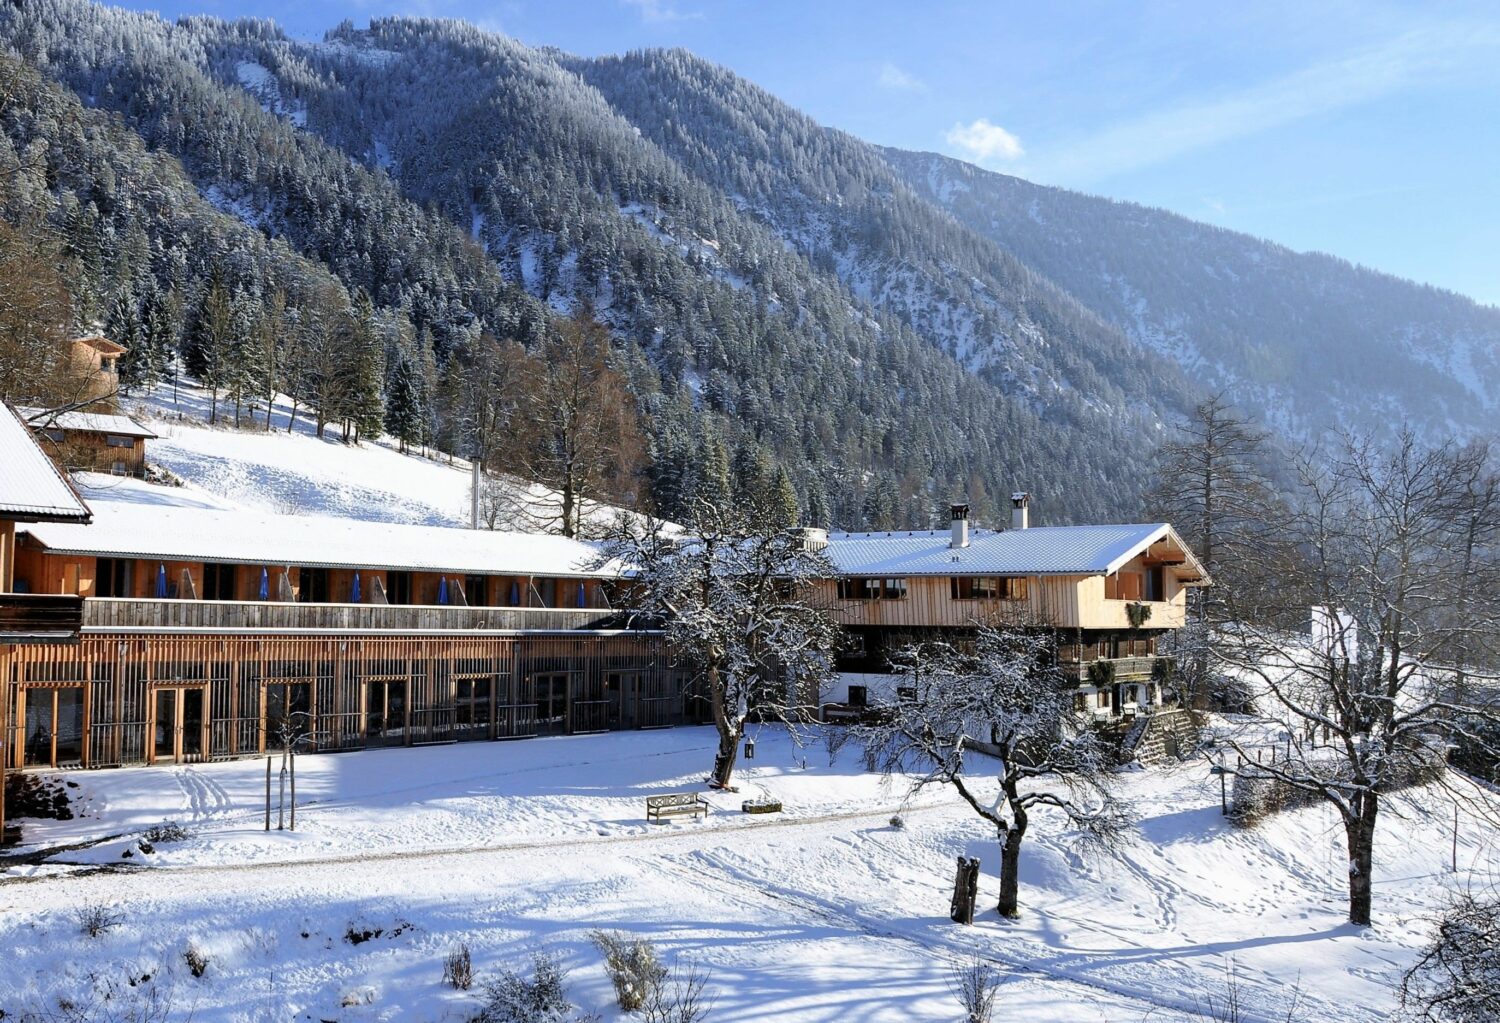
297,472
822,913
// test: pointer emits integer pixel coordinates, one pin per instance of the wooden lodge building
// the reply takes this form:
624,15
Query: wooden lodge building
32,491
1112,592
211,634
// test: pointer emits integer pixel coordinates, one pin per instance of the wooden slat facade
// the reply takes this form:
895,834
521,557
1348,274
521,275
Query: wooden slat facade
122,698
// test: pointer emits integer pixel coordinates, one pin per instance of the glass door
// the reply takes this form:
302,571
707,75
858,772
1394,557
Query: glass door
288,713
53,727
179,724
385,712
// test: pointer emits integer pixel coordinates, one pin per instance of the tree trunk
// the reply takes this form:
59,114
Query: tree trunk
1359,831
729,749
1010,872
729,733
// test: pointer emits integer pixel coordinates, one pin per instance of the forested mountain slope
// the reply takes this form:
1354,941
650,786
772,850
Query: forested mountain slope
778,291
1305,340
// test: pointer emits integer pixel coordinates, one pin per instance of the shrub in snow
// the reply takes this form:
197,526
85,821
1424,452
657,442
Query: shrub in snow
95,918
897,822
197,960
1457,980
166,831
1260,793
539,998
458,968
633,964
974,984
682,997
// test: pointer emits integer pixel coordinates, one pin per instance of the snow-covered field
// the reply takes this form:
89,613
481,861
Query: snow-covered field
824,912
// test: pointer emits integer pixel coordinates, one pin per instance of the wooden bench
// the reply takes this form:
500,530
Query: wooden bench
674,804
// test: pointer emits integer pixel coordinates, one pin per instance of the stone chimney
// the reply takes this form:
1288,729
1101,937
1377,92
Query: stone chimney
1020,510
960,526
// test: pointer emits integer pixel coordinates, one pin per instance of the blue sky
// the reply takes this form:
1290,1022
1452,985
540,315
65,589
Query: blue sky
1368,130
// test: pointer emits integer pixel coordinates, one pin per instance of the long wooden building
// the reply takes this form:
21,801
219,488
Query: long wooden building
31,491
211,633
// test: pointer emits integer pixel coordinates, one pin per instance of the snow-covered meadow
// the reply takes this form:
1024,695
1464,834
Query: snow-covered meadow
824,912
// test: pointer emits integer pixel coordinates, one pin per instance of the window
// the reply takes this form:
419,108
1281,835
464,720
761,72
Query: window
1156,583
547,590
219,582
398,587
854,644
107,364
119,469
859,696
114,440
551,694
55,435
989,587
906,694
112,578
872,589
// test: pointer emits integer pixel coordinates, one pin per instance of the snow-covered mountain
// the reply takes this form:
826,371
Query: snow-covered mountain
895,329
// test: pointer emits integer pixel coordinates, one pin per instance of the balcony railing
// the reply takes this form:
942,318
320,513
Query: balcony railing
40,618
210,615
1126,668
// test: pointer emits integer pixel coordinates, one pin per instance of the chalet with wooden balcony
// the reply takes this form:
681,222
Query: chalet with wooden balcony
32,491
1111,592
91,441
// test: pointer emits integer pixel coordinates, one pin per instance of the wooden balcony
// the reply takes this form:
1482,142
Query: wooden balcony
40,618
1127,669
111,614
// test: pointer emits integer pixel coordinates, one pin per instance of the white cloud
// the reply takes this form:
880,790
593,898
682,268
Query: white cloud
897,80
660,11
985,141
1413,59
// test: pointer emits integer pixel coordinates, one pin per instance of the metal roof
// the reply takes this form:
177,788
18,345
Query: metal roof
85,422
1040,550
159,532
31,487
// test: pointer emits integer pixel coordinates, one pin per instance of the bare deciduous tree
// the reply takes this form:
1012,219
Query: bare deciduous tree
999,713
1366,701
733,599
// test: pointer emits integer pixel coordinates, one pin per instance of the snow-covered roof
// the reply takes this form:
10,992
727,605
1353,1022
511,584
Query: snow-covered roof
86,422
168,533
31,487
1041,550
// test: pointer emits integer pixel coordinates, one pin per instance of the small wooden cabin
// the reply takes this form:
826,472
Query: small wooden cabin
92,441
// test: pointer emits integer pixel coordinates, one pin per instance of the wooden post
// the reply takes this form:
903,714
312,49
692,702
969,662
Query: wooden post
268,793
294,789
281,796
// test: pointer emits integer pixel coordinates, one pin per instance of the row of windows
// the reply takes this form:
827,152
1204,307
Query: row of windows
983,587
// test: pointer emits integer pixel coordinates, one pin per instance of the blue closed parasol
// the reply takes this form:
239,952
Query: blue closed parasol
354,590
265,585
443,591
161,580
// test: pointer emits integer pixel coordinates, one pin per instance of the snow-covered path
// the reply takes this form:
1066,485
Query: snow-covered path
824,913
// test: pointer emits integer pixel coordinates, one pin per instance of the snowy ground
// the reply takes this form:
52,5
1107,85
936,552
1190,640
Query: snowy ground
298,472
825,912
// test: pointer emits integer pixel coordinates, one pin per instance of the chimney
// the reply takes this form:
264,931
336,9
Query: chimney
960,526
1020,514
